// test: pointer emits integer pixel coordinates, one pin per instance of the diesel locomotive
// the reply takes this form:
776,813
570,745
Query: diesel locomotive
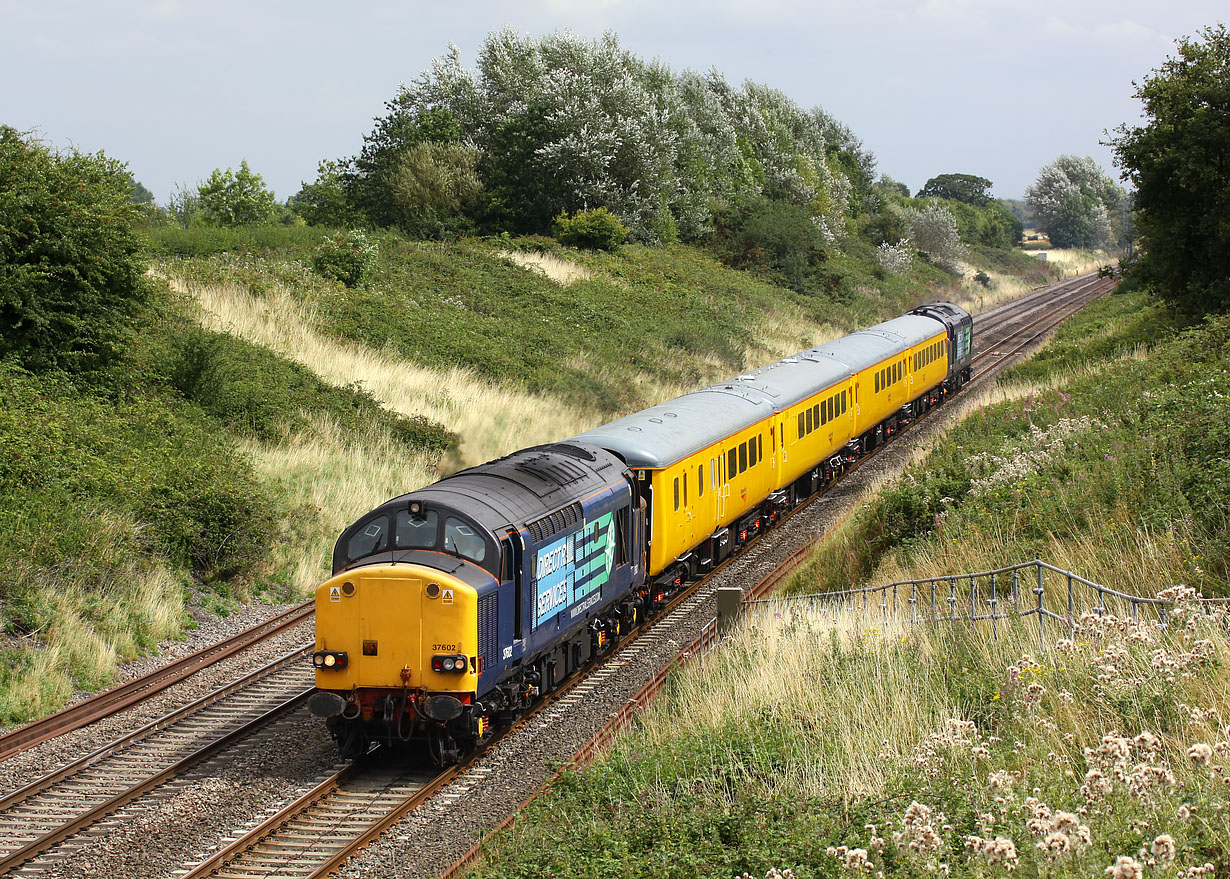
453,608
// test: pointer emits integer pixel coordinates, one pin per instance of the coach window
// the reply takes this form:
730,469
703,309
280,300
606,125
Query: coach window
416,531
371,538
676,493
843,402
824,412
760,445
801,431
685,489
751,453
700,481
816,418
809,422
732,464
461,539
742,457
713,473
877,383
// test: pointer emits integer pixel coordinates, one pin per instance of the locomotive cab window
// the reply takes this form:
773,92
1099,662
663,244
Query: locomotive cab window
461,539
416,531
373,537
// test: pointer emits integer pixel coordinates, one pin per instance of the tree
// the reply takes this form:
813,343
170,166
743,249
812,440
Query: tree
236,198
325,202
71,276
959,187
1177,162
933,230
434,187
1073,202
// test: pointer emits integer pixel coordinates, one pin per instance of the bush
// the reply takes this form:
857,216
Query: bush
598,229
345,257
192,497
71,276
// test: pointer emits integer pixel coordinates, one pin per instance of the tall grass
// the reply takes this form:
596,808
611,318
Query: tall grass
491,419
328,477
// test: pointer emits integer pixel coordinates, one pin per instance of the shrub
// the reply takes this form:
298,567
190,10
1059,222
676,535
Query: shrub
345,257
598,229
71,276
235,198
983,278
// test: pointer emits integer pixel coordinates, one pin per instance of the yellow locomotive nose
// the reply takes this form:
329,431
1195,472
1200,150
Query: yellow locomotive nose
372,621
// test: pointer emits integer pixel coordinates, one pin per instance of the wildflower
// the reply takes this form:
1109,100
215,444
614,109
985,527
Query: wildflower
1125,867
1200,754
1164,848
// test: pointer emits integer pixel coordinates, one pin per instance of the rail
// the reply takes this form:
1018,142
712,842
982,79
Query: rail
991,596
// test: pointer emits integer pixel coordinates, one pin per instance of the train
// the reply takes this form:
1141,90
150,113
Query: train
454,608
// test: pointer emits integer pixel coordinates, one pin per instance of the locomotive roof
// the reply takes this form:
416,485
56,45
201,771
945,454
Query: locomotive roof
521,487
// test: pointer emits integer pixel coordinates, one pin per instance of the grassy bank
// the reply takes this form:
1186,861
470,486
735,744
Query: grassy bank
852,749
848,747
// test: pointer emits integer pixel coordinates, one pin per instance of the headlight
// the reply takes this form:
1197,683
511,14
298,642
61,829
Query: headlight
332,660
453,664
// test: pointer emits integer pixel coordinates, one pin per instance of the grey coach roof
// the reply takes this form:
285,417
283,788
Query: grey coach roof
660,436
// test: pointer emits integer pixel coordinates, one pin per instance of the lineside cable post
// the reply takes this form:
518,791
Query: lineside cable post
729,606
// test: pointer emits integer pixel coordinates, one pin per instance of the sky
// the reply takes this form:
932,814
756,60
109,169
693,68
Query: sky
178,88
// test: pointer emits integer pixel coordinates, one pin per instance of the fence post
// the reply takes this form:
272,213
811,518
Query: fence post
1016,588
729,606
1041,616
1071,608
973,602
994,610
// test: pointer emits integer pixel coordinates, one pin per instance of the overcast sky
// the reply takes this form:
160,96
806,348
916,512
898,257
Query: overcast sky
178,88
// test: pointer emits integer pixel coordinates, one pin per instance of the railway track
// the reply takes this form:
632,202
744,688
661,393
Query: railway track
139,689
37,818
303,838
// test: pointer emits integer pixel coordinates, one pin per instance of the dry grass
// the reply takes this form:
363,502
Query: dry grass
558,269
490,419
332,478
91,634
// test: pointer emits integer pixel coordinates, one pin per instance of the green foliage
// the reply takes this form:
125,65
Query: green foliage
235,198
368,180
202,240
776,239
325,202
253,391
1075,203
1177,163
434,189
966,188
345,257
598,229
70,274
193,498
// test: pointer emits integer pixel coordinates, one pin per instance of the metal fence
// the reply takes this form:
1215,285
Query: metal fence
1059,598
